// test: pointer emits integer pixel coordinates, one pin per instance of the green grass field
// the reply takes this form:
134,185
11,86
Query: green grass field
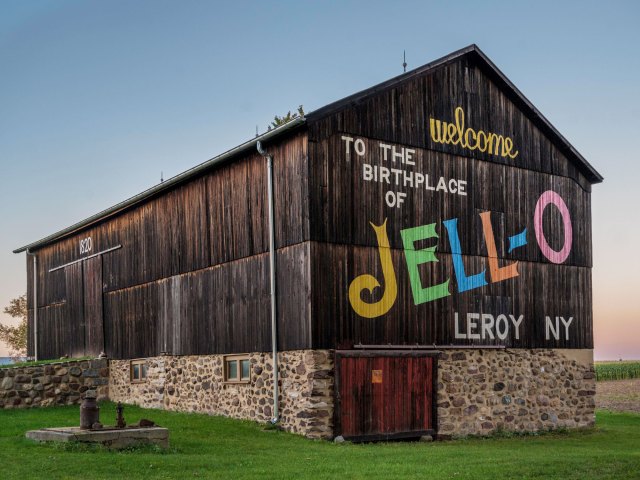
215,447
617,370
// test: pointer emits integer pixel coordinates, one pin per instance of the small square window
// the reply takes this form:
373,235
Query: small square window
138,371
237,369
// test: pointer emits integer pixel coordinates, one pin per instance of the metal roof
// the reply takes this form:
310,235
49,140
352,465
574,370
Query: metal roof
472,51
167,184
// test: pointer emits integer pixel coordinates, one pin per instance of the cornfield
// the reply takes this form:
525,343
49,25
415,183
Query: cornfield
617,370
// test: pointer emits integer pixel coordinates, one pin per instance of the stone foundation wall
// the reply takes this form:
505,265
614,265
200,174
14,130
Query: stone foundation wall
482,391
479,391
196,384
53,384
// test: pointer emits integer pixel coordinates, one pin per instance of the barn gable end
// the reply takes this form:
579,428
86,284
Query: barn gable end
456,146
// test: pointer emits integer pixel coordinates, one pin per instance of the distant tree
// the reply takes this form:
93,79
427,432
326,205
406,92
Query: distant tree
278,121
16,337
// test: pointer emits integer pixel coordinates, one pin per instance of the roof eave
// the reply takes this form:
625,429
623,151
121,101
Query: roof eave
167,184
568,149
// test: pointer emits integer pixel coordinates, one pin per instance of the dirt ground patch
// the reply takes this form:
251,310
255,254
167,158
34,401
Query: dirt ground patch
619,395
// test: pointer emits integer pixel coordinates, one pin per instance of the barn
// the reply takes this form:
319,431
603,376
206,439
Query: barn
414,259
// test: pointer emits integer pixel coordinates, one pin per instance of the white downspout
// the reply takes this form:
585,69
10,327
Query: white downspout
272,272
35,304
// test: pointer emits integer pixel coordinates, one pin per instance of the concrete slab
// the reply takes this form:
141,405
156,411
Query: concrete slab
108,437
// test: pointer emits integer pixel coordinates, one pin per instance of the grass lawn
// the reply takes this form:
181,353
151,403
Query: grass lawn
214,447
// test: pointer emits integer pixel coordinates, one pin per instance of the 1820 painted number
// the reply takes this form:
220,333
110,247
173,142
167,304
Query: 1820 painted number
85,245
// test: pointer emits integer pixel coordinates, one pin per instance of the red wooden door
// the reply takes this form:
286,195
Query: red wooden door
385,396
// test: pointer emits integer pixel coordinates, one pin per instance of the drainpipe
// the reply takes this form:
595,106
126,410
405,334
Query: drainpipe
272,272
35,303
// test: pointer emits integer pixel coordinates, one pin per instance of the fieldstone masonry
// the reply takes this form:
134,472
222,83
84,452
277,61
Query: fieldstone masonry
196,384
53,384
482,391
479,391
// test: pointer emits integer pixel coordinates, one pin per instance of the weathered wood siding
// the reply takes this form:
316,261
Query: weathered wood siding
191,275
343,203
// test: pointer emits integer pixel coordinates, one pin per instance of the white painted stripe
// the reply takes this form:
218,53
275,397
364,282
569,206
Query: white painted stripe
86,258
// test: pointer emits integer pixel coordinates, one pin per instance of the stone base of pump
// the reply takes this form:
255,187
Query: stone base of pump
115,438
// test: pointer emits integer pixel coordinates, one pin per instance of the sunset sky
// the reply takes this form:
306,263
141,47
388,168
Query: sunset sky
98,98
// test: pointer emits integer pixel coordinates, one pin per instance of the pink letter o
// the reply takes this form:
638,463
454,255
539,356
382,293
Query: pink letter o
545,199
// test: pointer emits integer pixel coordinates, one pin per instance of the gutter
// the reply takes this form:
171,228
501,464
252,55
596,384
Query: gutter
35,303
272,275
166,185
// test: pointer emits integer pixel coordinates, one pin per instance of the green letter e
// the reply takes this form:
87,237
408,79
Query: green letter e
417,257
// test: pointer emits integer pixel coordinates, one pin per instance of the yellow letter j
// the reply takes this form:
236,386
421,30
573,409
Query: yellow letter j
373,310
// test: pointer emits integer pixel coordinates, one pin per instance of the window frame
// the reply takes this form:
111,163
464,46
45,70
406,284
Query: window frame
143,369
238,358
